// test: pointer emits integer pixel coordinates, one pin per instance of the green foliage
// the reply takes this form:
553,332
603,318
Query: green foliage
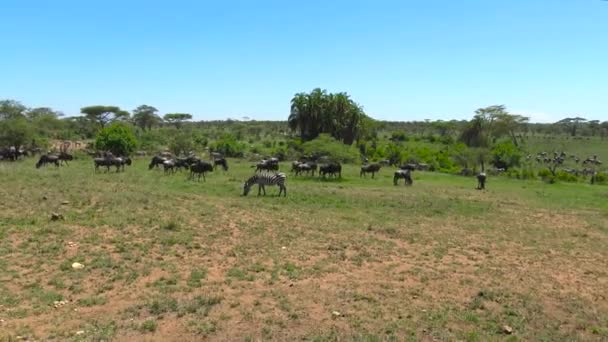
322,112
153,140
15,132
117,138
565,176
181,143
103,115
229,146
505,155
601,178
146,117
398,136
177,118
326,146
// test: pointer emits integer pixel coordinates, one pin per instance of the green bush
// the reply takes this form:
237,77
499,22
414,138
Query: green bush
326,146
15,132
229,146
601,178
566,177
181,143
505,155
513,173
117,138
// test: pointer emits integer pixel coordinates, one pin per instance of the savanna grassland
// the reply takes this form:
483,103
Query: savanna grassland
170,259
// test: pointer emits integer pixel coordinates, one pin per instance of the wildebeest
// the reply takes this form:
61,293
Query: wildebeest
169,165
120,163
64,157
310,167
271,164
370,168
331,169
156,161
481,181
220,162
200,168
405,174
47,159
109,160
266,179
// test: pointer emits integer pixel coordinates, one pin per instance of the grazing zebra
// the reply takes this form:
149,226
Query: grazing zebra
405,174
481,181
263,179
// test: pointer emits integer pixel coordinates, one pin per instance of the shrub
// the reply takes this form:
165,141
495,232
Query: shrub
325,145
565,176
182,143
505,155
117,138
229,146
601,178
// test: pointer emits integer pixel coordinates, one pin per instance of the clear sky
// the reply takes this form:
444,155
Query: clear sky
401,60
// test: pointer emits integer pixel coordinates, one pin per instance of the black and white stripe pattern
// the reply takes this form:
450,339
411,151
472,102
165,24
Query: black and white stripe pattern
264,179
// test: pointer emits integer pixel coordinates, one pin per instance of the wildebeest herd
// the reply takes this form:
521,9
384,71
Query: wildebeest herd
267,169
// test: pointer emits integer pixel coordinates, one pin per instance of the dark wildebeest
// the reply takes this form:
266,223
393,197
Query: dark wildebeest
109,160
120,163
8,153
64,157
183,163
169,165
481,181
303,167
331,169
405,174
156,161
221,162
271,164
105,161
200,168
47,159
370,168
294,165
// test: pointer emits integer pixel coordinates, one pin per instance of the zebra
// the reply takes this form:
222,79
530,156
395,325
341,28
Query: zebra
263,179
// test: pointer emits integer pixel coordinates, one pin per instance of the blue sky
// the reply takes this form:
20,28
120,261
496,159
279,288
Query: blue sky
402,60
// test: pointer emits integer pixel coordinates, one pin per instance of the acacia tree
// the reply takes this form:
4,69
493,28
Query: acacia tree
177,118
146,116
489,124
102,115
572,124
10,109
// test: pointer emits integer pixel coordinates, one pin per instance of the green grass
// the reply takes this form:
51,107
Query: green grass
166,256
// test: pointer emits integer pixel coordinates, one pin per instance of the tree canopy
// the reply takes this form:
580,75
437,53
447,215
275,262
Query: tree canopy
177,118
145,117
322,112
571,124
102,115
